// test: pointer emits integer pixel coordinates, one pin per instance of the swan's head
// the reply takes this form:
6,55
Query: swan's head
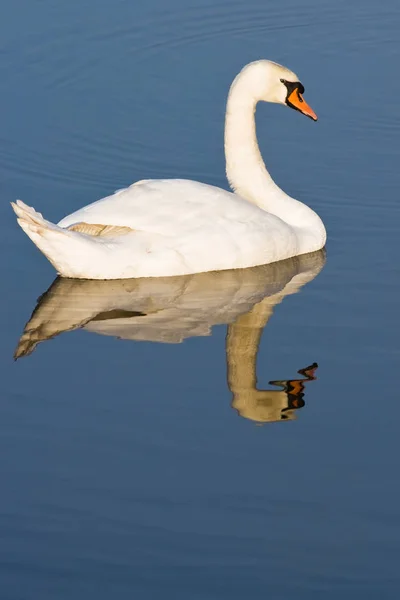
270,82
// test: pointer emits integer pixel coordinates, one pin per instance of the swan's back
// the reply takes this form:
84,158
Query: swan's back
167,207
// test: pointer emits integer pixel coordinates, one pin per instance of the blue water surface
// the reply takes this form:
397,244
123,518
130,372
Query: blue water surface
150,466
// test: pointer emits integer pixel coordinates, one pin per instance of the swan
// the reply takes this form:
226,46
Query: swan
167,227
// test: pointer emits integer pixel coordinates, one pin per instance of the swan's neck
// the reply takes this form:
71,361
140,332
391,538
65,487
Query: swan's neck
245,168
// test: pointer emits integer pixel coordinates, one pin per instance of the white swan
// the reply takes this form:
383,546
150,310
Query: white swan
176,227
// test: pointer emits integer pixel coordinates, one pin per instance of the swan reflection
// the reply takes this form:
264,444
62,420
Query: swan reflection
172,309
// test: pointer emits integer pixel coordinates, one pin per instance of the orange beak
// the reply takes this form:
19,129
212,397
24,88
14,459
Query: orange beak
297,101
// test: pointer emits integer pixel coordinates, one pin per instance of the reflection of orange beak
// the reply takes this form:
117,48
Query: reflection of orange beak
297,100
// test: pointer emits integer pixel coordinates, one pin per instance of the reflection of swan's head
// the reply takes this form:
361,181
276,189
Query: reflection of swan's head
269,82
268,406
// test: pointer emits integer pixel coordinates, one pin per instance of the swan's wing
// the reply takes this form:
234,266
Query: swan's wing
180,227
167,207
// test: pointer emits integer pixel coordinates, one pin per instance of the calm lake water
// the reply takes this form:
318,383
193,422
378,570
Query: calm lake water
136,466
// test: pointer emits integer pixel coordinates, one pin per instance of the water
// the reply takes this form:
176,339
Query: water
134,468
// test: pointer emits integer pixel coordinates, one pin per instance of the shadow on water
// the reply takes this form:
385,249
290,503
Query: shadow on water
171,309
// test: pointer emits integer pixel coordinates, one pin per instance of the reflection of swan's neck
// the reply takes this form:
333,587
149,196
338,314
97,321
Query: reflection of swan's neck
245,168
242,344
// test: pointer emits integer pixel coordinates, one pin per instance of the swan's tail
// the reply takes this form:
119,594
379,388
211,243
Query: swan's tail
65,249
